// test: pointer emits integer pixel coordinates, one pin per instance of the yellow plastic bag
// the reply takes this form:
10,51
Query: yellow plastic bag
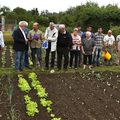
106,55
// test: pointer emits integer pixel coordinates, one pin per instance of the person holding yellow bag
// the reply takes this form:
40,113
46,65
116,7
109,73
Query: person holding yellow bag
109,41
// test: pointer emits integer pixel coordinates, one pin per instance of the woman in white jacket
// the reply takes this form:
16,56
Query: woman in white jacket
2,45
51,35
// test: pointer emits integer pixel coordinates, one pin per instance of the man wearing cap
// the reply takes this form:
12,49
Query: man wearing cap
51,35
1,39
64,44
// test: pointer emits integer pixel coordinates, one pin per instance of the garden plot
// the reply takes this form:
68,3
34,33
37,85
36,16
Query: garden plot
74,96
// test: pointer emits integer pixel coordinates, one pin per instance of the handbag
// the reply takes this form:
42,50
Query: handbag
45,44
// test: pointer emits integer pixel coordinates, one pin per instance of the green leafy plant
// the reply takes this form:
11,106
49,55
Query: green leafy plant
31,106
23,84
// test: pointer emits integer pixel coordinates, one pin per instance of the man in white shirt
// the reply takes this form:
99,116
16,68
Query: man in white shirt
109,41
2,45
51,34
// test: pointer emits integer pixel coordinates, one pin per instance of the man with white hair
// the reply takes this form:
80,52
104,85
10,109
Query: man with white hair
88,49
109,42
19,46
64,44
51,35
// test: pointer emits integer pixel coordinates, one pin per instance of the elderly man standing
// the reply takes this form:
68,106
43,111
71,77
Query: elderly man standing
19,46
51,35
1,39
88,49
35,38
109,42
64,45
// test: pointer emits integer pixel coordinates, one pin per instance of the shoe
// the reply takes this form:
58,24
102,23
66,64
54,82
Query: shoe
70,67
75,68
28,67
90,67
84,67
52,71
65,69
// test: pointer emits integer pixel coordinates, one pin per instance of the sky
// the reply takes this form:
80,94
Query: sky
51,5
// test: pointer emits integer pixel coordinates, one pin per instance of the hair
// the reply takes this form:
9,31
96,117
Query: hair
23,23
36,23
51,23
88,33
89,26
75,29
62,26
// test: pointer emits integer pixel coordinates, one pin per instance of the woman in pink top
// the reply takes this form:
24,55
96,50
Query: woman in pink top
76,48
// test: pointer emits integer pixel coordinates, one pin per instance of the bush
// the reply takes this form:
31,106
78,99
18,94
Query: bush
116,30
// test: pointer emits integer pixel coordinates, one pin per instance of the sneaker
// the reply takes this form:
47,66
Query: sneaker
84,67
52,71
75,68
90,67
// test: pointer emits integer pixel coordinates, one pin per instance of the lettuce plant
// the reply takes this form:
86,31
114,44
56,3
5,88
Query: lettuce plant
31,106
23,84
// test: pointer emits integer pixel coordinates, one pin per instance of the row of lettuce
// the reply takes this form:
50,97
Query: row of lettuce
32,106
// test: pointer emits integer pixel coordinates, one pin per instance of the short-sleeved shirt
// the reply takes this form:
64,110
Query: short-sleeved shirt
88,46
35,43
109,40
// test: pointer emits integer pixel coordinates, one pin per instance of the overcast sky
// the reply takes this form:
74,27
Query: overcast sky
51,5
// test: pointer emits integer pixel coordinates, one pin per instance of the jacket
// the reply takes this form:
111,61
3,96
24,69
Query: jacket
19,43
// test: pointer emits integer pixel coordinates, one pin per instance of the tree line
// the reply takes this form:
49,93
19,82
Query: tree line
89,13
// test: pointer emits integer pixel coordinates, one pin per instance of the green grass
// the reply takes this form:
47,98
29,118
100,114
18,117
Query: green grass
11,71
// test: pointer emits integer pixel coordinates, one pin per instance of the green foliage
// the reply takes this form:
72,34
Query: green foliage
31,106
23,84
84,15
116,30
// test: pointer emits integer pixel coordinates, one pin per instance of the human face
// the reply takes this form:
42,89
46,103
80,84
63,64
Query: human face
89,29
75,32
35,26
109,33
22,26
88,35
51,27
100,30
79,28
62,30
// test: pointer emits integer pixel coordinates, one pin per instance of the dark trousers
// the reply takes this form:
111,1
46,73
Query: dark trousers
26,59
79,59
48,51
38,52
74,55
87,57
47,59
62,52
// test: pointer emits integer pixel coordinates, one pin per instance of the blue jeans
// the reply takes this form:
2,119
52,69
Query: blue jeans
97,56
19,60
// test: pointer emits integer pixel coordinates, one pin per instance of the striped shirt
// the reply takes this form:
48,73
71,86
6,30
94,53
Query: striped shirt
99,39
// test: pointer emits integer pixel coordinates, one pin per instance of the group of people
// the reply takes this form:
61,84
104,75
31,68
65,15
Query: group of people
69,49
